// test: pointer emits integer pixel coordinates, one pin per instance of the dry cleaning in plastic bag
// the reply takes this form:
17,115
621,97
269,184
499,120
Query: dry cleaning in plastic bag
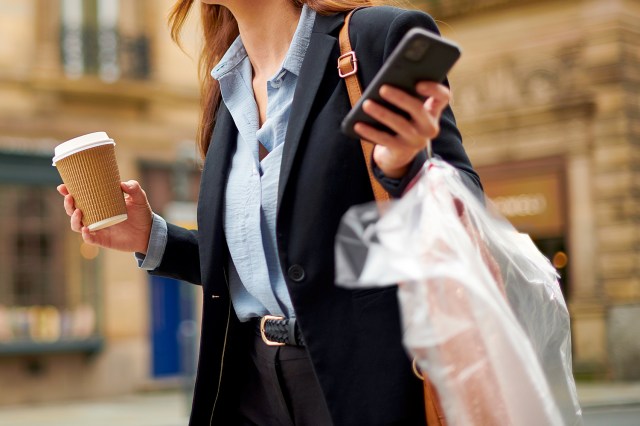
481,307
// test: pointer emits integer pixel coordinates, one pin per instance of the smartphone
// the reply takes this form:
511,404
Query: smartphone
420,56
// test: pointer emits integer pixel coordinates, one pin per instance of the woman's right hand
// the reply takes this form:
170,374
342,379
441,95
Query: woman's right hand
131,235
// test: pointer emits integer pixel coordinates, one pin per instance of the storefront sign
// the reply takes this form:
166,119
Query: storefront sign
533,204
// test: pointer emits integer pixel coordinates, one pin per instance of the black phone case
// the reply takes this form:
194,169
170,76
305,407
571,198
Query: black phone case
403,71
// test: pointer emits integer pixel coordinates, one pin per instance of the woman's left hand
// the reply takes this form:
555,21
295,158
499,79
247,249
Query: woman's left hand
393,154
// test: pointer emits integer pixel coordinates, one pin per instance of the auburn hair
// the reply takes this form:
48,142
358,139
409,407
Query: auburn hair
220,29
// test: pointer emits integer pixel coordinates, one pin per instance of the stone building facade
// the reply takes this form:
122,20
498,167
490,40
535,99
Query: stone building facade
76,321
546,95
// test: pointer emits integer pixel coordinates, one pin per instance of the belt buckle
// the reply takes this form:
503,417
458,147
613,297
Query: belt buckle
263,321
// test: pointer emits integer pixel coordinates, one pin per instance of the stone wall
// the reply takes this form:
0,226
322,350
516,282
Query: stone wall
149,120
544,79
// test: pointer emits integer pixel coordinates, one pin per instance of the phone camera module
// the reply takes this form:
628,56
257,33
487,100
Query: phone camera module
416,49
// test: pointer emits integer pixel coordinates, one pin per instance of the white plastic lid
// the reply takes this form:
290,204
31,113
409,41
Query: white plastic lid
81,143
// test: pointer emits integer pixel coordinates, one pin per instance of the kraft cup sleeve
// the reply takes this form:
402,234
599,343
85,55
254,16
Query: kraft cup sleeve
93,178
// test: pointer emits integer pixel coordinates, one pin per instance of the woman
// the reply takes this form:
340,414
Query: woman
278,175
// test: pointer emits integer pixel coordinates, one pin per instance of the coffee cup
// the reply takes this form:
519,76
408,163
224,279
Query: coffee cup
88,167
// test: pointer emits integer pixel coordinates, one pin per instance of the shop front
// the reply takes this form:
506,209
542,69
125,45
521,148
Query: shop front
532,196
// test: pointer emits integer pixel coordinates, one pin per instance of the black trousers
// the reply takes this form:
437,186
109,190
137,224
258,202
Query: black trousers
281,388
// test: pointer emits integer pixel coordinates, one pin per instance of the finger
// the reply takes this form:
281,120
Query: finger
88,236
76,221
438,94
130,187
62,189
424,119
427,124
69,204
413,133
133,189
380,137
432,89
402,100
400,125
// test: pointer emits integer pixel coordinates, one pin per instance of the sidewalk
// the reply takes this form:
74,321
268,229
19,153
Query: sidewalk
170,408
145,409
599,395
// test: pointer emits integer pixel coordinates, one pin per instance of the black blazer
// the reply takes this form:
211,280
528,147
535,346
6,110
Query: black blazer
353,337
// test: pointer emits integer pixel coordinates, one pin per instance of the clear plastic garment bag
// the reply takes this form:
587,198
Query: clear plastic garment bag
481,307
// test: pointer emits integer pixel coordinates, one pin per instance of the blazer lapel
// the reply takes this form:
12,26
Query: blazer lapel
311,74
214,174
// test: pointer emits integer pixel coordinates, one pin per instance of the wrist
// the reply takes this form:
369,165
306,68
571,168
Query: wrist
143,246
145,236
394,172
394,165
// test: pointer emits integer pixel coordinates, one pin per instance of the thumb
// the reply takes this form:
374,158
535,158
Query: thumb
131,187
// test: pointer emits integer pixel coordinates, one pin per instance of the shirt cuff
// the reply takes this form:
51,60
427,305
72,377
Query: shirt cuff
386,181
157,244
396,187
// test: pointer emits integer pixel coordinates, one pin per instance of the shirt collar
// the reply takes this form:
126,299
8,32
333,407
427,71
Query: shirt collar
293,59
300,42
234,55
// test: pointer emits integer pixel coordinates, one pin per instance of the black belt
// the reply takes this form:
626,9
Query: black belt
279,331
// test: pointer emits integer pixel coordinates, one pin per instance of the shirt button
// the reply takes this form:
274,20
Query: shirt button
276,83
296,273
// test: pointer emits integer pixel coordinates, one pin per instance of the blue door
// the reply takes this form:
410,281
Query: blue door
165,325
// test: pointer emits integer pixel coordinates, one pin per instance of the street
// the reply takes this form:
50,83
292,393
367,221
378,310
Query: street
170,409
147,409
612,416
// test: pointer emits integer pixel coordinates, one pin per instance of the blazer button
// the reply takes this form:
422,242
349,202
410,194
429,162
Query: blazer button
296,273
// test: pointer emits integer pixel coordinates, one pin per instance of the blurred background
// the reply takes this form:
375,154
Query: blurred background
547,96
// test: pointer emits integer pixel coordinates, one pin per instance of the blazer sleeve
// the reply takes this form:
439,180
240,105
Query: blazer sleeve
181,259
448,144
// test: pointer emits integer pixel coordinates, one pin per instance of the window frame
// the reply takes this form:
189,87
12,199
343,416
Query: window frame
20,169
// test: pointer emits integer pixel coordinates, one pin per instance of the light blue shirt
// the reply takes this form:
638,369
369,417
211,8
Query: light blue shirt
256,281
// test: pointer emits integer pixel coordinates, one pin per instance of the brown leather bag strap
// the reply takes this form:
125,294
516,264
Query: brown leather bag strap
435,413
347,69
432,406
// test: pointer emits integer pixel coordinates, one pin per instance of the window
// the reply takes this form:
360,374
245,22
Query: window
48,294
103,38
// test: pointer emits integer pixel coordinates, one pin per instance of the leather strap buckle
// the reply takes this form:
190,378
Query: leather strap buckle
265,339
353,61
